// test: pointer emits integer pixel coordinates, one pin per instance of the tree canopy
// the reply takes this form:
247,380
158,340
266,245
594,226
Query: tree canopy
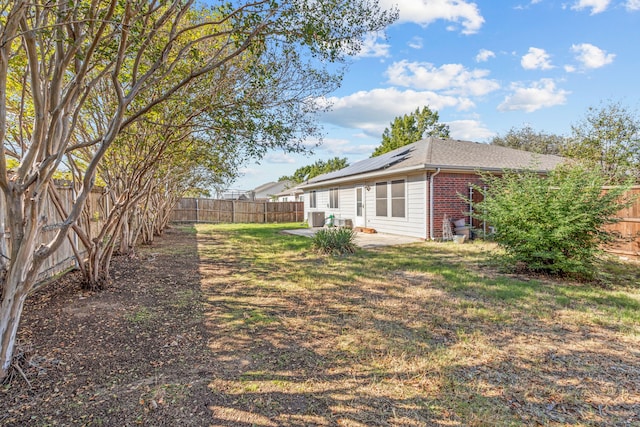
318,168
527,139
608,137
411,128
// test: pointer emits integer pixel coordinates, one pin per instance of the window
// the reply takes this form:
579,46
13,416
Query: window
381,199
333,198
397,198
391,196
312,199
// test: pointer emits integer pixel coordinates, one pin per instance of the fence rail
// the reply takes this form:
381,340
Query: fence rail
236,211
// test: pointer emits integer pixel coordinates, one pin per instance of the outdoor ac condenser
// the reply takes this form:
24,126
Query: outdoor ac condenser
316,219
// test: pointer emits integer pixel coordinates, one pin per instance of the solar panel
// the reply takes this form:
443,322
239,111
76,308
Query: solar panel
368,165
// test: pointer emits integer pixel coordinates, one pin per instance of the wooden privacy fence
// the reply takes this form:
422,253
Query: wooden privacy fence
64,258
236,211
628,228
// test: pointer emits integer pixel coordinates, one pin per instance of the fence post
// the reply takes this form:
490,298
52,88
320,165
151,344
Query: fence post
197,216
233,211
264,208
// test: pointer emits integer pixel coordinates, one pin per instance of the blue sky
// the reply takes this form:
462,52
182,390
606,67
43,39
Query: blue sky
485,66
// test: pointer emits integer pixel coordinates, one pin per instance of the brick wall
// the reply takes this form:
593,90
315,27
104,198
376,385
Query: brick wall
447,191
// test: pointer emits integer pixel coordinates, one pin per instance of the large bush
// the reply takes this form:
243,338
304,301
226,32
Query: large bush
335,240
551,224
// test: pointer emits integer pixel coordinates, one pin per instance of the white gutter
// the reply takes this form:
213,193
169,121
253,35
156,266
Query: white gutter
431,203
363,176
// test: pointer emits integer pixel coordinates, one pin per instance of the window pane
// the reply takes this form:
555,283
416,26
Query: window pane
397,189
397,208
381,190
333,198
312,199
381,207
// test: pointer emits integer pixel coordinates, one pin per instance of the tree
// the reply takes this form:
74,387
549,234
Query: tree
528,139
318,168
550,224
55,56
608,137
411,128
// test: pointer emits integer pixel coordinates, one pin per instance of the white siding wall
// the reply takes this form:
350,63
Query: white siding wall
346,202
414,224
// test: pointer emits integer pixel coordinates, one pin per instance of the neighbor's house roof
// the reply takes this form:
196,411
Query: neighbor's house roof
271,188
290,192
445,154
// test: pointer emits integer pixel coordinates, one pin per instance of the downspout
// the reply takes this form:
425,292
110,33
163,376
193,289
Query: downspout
431,203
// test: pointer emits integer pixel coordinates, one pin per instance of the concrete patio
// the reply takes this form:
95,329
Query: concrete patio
364,240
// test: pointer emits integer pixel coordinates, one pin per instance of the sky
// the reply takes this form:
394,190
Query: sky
485,66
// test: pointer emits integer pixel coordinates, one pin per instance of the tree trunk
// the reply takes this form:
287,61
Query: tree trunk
10,312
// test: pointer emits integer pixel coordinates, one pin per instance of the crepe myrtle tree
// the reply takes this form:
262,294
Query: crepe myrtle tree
53,56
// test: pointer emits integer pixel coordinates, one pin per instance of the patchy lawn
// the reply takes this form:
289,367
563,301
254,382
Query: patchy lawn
251,328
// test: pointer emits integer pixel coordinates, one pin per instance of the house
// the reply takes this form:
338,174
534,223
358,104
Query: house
294,194
268,191
409,190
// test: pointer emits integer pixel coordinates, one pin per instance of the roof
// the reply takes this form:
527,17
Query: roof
451,154
272,188
290,192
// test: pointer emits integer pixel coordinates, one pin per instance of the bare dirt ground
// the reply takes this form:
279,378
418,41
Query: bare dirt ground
133,354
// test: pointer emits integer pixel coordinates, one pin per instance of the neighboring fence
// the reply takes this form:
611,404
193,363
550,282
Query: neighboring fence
236,211
628,228
64,258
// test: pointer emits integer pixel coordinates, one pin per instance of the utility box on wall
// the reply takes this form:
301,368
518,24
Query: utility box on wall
316,219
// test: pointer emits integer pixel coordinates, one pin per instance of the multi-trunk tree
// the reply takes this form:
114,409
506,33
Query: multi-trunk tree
55,57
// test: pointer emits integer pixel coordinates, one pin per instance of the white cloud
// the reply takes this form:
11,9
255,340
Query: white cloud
540,94
372,48
279,158
341,147
484,55
452,79
372,111
591,56
570,68
469,130
632,5
425,12
416,42
536,59
596,6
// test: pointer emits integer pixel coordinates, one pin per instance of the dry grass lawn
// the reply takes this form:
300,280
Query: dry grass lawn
423,334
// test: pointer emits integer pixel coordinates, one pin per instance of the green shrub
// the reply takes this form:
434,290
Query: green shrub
550,224
336,241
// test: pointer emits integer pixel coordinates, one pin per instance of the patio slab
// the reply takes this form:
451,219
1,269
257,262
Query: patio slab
364,240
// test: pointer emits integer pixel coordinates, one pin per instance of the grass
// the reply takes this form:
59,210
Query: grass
421,334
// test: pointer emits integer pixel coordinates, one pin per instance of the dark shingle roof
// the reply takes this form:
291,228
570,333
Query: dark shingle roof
434,153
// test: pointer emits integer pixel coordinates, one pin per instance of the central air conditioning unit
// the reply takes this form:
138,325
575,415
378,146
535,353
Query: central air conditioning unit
316,219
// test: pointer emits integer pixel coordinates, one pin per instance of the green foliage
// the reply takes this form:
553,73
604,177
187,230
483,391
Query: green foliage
335,241
529,140
411,128
608,138
551,224
318,168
